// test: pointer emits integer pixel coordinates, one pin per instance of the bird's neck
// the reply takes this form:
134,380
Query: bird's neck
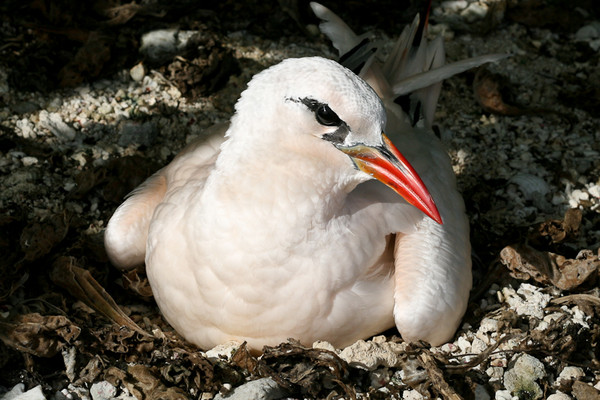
301,187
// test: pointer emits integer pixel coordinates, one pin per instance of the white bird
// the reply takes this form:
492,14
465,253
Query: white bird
286,227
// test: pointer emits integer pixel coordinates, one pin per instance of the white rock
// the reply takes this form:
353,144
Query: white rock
412,395
464,345
370,355
260,389
527,300
495,373
18,393
323,345
488,325
504,395
55,124
559,396
221,351
69,357
25,127
569,374
29,161
137,72
102,391
523,375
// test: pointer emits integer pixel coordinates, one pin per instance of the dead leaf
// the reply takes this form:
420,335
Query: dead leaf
487,88
139,284
42,336
558,231
436,376
525,262
82,285
143,384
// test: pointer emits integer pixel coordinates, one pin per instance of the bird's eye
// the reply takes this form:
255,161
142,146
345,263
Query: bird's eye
326,116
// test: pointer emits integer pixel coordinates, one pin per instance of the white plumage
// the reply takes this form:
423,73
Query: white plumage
278,230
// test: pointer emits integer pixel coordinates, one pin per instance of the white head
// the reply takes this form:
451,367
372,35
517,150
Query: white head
317,108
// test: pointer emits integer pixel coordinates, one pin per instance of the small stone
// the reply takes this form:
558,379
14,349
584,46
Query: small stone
137,72
323,345
18,393
559,396
569,374
503,395
102,391
412,395
521,378
221,351
260,389
55,124
370,355
29,161
495,373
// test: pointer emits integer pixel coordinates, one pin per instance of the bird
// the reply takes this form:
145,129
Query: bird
322,211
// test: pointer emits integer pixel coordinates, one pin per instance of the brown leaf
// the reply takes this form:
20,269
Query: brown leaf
82,285
143,384
139,284
436,376
243,359
558,231
488,93
42,336
525,262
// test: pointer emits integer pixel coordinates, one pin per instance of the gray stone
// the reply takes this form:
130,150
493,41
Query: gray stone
260,389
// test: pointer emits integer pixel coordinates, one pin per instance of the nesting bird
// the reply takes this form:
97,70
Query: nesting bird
305,220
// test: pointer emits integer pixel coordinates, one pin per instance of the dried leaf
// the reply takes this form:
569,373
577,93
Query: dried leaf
559,231
42,336
525,262
488,93
139,284
81,284
436,376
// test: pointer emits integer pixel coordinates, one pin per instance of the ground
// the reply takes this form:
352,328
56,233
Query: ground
88,111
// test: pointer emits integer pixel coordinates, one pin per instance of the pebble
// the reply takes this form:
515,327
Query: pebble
569,374
522,377
372,354
137,72
18,393
55,124
221,351
260,389
559,396
102,391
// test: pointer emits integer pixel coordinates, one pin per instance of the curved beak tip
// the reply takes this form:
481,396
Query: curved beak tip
386,164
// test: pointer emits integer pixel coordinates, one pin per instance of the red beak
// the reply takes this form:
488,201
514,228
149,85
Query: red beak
386,164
